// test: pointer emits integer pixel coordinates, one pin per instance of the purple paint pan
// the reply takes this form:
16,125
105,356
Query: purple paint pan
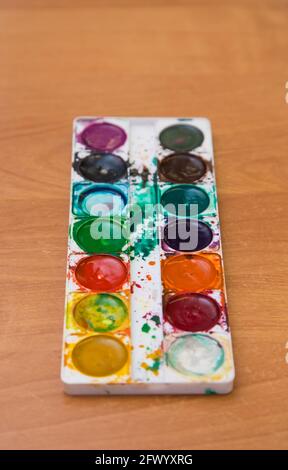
103,136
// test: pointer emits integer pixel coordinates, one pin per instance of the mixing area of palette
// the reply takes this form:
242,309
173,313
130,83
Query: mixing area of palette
146,306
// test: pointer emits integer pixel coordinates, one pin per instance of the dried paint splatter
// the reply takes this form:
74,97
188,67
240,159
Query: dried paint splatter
156,320
143,248
134,284
209,391
146,328
154,360
149,317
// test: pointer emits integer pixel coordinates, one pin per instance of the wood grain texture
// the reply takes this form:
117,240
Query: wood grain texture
225,60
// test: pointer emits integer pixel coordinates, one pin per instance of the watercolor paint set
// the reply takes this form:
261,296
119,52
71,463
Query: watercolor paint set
146,307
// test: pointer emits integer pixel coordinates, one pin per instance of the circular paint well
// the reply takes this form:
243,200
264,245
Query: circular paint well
102,201
101,273
100,312
99,356
182,168
186,196
99,235
195,354
188,273
192,312
181,137
187,235
106,168
103,136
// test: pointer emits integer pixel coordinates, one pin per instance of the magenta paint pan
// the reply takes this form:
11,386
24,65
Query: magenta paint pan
103,136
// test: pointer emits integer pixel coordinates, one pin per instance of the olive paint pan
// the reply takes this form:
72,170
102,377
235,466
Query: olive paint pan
146,304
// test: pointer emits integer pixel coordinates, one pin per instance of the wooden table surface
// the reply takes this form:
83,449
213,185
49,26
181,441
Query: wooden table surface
225,60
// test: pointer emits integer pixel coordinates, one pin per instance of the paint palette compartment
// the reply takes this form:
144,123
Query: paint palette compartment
188,200
146,304
88,199
98,273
